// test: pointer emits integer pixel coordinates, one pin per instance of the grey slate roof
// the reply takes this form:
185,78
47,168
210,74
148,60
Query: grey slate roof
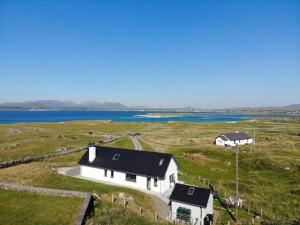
235,136
199,197
224,138
131,161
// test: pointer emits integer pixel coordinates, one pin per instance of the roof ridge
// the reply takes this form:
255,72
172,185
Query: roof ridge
136,151
190,185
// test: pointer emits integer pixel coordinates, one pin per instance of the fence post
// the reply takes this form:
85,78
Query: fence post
141,211
156,216
124,202
261,212
248,207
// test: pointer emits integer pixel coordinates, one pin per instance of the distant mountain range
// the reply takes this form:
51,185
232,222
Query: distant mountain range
292,107
64,105
116,106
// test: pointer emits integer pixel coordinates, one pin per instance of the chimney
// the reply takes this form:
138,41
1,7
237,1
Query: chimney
92,152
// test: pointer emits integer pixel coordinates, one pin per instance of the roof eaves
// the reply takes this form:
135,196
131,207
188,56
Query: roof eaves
197,205
122,171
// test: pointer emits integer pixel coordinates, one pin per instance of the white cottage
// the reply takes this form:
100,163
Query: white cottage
138,169
190,204
233,139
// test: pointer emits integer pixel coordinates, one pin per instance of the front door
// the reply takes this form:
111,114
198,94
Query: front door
148,183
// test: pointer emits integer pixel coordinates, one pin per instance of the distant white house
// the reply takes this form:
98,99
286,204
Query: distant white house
233,139
138,169
192,205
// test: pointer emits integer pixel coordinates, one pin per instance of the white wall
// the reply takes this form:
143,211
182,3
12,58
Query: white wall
221,142
141,181
249,141
196,212
157,188
242,142
92,172
210,205
172,169
119,177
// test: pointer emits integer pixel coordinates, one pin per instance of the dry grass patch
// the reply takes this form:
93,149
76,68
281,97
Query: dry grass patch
132,204
27,174
198,157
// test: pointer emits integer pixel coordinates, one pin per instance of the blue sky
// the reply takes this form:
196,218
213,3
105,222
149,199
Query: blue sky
154,53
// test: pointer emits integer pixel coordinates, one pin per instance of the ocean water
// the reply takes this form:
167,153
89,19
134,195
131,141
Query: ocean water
27,116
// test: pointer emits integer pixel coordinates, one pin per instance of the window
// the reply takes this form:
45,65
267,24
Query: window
112,174
116,157
130,177
155,182
191,191
172,178
183,214
161,162
105,172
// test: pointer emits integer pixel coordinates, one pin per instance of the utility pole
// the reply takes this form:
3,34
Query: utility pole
254,140
185,136
237,182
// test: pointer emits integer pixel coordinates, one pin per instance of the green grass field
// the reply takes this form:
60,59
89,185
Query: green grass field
124,142
29,209
269,174
43,174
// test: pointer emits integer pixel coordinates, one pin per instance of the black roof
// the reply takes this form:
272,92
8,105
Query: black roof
152,164
199,196
236,136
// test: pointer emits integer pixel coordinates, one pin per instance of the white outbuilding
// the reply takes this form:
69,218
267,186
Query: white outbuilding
151,171
233,139
192,205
